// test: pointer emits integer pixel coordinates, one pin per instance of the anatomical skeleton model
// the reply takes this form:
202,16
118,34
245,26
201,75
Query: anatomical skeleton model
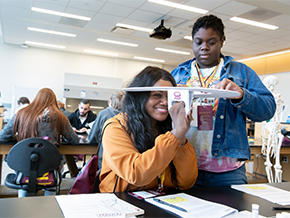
272,148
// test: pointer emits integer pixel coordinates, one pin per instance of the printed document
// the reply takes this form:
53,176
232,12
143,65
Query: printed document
267,192
96,205
195,207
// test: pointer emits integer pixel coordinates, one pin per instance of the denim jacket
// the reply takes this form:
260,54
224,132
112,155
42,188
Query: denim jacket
258,104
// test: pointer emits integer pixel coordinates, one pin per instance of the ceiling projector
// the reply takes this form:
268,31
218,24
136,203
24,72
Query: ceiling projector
160,32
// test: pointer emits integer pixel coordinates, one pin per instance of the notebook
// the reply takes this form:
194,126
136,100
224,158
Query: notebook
185,205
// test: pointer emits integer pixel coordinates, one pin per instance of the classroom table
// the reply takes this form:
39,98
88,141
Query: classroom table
256,146
82,148
85,148
41,206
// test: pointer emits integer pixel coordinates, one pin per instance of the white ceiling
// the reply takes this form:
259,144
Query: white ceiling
242,41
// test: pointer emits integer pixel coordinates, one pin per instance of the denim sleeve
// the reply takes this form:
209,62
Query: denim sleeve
258,103
6,134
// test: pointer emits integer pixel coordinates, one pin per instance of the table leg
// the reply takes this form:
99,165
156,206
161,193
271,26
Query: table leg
71,164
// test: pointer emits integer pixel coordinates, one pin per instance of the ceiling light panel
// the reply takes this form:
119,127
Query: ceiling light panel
100,52
188,37
51,32
117,42
172,51
254,23
122,25
149,59
57,13
39,44
179,6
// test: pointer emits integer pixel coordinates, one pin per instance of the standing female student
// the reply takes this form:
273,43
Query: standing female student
222,148
145,145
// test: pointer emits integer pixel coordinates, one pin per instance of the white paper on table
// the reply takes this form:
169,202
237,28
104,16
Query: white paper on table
267,192
196,207
95,205
243,214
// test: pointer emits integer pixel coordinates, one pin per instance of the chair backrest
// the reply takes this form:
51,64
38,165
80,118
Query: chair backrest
37,151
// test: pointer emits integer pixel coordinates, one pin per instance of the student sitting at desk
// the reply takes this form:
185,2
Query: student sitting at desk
83,118
95,136
62,108
22,102
41,118
145,145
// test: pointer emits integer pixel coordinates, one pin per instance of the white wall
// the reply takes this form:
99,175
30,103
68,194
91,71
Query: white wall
36,68
283,88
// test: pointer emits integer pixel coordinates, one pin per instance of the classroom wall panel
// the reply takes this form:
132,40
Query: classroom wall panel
258,65
39,68
270,65
278,64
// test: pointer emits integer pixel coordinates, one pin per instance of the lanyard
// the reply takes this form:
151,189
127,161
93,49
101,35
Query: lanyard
161,178
205,83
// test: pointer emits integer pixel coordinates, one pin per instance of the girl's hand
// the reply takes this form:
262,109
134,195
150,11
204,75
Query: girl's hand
180,121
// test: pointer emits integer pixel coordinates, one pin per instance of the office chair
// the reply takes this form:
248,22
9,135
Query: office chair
31,158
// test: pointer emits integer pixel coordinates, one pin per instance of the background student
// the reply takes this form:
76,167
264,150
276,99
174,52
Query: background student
82,119
95,136
145,145
41,118
22,102
62,108
222,149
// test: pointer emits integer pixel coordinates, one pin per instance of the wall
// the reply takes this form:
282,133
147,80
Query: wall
279,66
269,65
283,88
35,68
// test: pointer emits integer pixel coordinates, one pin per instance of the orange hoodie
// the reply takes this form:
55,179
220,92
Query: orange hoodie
140,171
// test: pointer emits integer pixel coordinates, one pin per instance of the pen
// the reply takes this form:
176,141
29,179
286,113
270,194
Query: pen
281,208
170,205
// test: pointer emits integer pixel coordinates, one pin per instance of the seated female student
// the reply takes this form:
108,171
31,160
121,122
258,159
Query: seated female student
41,118
145,145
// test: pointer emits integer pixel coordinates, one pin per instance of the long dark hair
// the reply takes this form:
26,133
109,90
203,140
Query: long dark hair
136,116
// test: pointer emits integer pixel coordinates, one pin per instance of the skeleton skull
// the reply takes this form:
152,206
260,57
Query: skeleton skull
270,82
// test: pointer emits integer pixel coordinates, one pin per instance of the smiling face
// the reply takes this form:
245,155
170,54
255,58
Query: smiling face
157,104
207,46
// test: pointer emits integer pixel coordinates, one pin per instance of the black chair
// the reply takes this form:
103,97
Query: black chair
32,158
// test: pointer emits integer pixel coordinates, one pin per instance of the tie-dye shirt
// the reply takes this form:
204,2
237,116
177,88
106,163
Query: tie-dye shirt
201,140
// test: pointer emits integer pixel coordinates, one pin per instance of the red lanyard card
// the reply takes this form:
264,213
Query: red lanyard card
204,117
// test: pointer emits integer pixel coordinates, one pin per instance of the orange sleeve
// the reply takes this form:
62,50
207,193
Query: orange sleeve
185,163
124,159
